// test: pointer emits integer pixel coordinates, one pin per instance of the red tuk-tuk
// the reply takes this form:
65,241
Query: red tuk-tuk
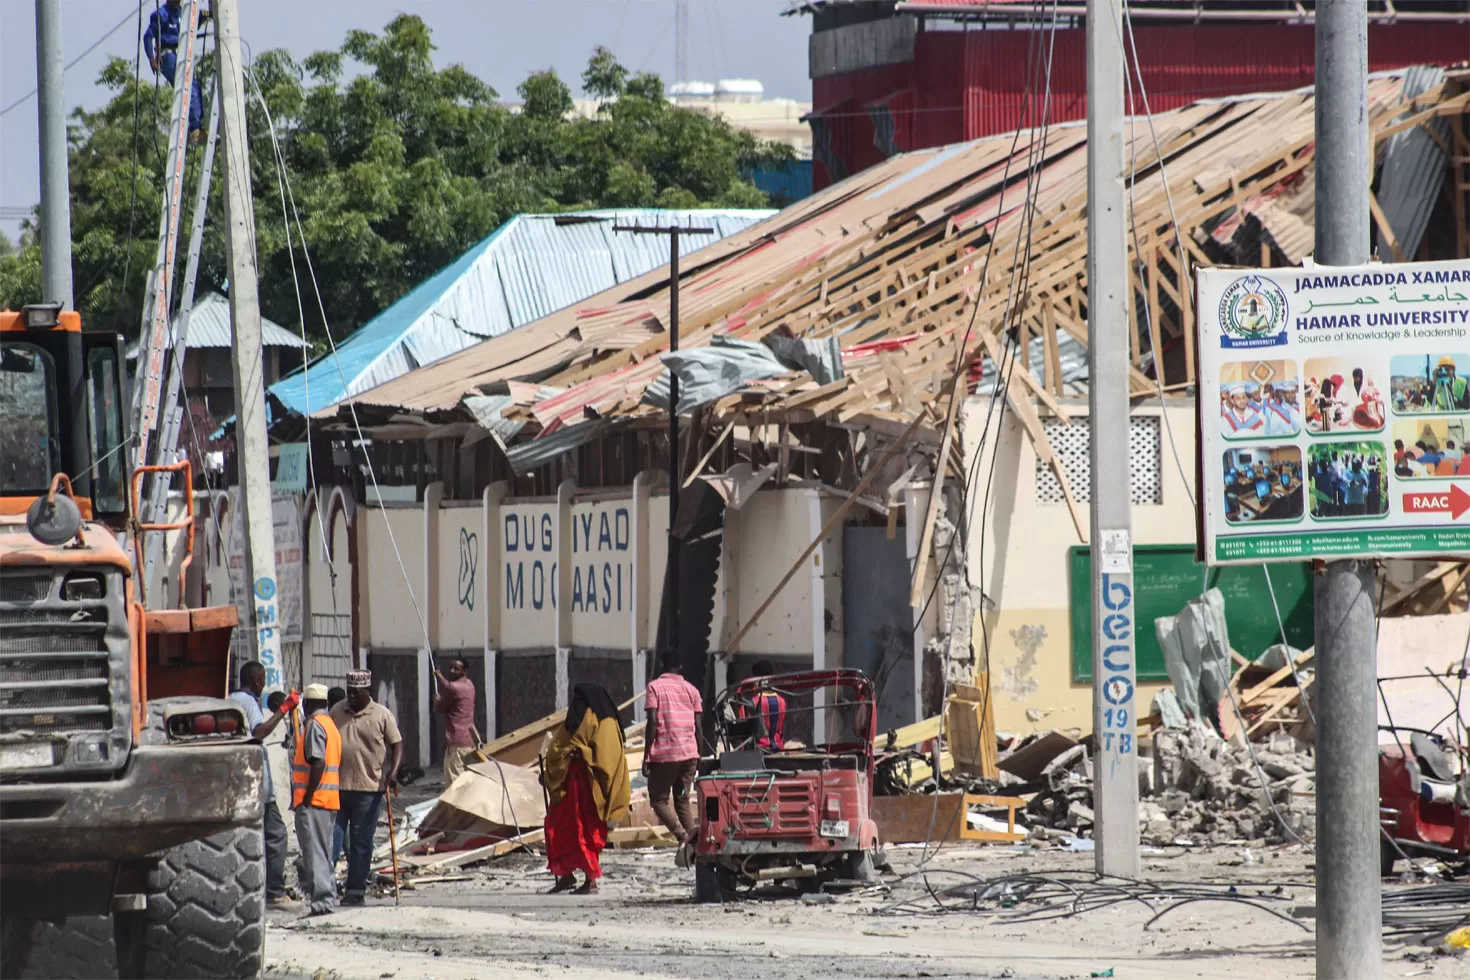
795,812
1423,798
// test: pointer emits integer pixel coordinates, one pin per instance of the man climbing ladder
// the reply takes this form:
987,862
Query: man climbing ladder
161,45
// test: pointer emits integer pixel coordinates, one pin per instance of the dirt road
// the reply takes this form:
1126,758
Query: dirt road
644,923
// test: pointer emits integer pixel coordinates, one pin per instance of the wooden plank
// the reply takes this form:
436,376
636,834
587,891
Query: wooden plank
1052,361
522,746
917,587
1384,228
631,837
1027,414
919,818
1155,329
1277,677
458,859
1420,585
910,735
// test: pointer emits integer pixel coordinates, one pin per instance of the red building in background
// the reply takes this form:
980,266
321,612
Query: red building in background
888,76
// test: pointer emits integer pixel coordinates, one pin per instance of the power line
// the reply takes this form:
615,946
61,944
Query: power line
77,60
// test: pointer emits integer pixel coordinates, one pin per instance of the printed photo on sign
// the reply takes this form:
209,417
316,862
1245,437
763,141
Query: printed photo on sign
1259,398
1430,384
1347,480
1427,448
1341,395
1253,313
1262,484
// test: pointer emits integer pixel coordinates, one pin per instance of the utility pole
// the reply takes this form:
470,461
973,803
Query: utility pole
672,575
55,192
1349,897
1114,718
253,455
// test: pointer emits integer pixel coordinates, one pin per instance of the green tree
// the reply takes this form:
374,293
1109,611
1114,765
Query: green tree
394,166
605,77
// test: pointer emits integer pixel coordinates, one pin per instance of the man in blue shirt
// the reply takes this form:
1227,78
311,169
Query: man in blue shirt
252,684
161,45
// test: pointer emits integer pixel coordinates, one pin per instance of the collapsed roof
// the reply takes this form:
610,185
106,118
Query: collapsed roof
860,303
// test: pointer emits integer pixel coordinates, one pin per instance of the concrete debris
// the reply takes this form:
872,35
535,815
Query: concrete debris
1210,790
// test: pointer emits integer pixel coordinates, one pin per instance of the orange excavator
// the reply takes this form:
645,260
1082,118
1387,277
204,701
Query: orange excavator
130,793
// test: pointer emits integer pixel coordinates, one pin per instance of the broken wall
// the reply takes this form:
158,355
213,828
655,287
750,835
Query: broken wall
1017,556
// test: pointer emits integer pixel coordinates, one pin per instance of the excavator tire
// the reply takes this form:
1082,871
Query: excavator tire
80,948
206,909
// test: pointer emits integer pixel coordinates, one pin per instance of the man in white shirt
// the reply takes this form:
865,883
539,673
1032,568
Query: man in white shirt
252,685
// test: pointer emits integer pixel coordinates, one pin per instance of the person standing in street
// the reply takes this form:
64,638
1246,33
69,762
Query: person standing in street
672,707
455,700
315,782
585,772
252,685
372,751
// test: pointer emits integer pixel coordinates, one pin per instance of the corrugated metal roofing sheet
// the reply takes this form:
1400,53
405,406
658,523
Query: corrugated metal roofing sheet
1413,169
533,265
209,326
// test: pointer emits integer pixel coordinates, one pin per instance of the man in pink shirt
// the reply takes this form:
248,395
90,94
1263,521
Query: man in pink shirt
671,761
455,700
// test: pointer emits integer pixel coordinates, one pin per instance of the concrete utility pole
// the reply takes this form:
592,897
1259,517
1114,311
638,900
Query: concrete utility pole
1349,898
55,192
1114,718
253,455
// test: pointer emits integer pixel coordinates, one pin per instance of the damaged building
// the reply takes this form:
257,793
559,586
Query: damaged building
883,449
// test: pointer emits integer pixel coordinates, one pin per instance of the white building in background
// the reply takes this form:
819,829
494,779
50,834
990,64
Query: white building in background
743,104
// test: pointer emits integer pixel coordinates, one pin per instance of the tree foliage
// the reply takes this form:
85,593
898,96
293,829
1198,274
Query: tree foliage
394,166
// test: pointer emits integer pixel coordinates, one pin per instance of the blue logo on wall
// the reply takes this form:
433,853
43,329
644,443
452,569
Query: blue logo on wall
265,588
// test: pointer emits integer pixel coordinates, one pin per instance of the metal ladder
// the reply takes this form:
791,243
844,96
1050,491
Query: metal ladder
156,402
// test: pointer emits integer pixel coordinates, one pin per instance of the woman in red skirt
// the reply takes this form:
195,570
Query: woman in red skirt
585,772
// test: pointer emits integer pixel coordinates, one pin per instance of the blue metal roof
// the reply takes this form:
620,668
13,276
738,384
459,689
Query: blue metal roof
532,265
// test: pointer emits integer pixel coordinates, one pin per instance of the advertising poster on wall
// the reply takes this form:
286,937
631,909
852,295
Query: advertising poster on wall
286,527
1334,407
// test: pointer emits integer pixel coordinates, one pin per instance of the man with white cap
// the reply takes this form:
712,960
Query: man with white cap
372,751
315,796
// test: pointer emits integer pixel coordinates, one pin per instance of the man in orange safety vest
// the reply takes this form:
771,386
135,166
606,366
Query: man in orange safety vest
315,782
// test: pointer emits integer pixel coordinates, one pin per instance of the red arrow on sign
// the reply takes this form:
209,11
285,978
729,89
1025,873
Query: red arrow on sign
1455,501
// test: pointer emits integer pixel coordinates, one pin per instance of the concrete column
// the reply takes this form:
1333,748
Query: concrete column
428,591
638,632
819,619
425,685
563,676
491,532
915,504
491,693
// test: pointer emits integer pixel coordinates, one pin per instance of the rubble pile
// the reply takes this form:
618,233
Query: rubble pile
1208,790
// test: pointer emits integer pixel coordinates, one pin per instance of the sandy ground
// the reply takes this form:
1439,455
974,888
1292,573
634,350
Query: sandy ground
645,923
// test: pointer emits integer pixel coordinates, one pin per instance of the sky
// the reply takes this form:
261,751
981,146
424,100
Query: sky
497,40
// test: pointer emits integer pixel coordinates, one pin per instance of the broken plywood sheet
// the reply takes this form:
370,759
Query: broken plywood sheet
488,800
1030,760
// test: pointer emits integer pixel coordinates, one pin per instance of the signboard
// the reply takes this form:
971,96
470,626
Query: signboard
1334,409
286,528
292,468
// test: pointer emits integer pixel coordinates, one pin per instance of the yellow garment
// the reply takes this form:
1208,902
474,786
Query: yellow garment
601,744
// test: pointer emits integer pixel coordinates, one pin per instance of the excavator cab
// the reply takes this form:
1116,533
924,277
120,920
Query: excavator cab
61,402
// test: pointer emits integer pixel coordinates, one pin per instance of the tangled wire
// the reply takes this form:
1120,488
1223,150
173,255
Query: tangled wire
1038,897
1032,897
1437,908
